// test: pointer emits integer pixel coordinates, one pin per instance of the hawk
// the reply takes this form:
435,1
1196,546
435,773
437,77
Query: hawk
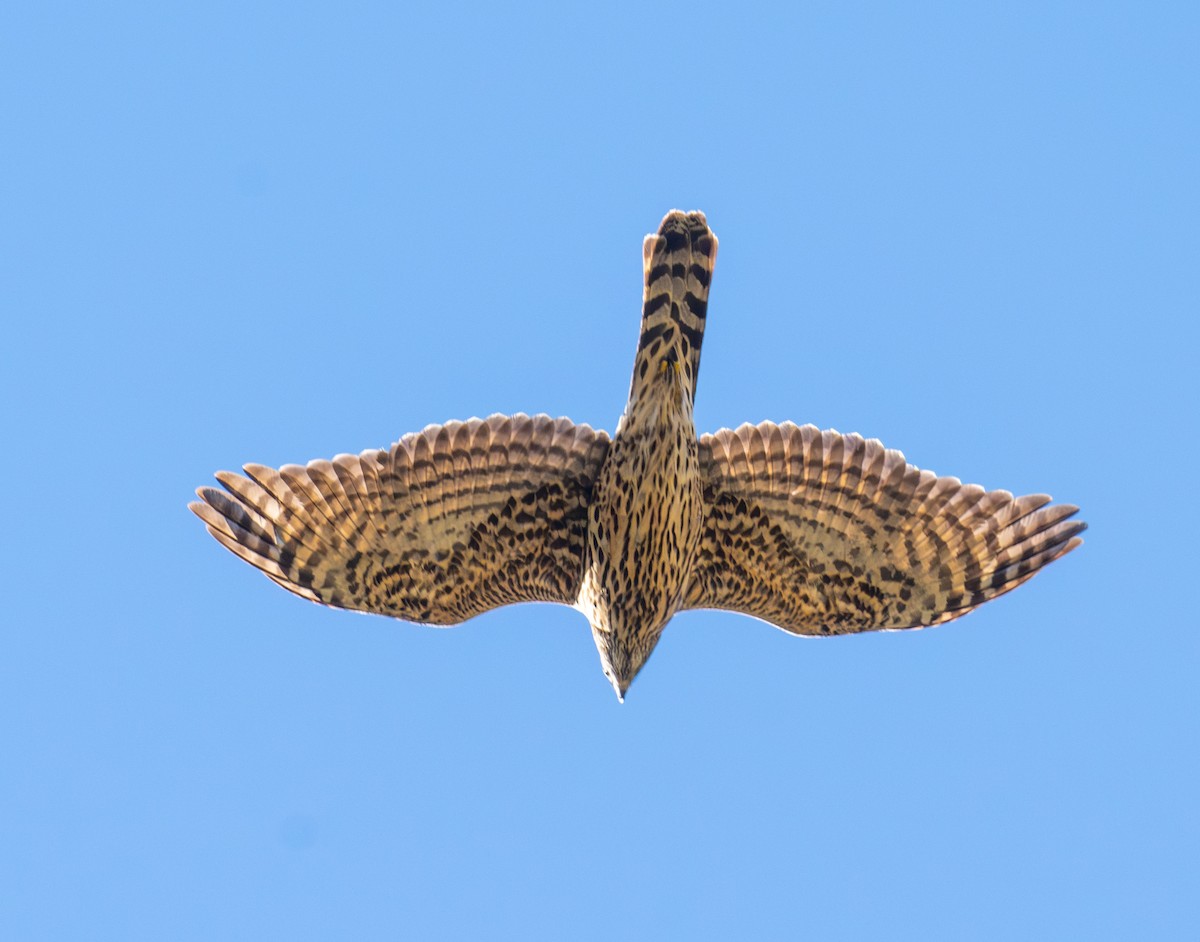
816,532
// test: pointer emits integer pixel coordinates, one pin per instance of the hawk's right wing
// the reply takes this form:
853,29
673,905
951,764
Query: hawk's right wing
450,522
823,533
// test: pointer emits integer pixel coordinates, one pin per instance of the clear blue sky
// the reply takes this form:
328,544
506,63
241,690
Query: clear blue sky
276,232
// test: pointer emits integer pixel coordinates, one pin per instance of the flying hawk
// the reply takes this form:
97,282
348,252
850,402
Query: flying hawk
816,532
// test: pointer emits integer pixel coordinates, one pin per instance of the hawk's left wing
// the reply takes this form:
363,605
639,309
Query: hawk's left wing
823,533
449,522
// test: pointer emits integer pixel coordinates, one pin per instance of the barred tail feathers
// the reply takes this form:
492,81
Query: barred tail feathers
678,262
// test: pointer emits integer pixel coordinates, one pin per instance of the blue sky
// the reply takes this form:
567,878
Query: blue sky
276,233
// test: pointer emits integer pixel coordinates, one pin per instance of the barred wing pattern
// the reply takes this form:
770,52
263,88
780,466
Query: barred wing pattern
821,533
450,522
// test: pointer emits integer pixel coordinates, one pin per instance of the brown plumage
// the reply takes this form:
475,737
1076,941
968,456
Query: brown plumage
815,532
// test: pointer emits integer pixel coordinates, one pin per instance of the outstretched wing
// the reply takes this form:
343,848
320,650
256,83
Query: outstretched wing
823,533
450,522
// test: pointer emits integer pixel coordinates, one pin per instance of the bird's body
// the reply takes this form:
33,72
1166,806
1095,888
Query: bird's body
816,532
644,527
